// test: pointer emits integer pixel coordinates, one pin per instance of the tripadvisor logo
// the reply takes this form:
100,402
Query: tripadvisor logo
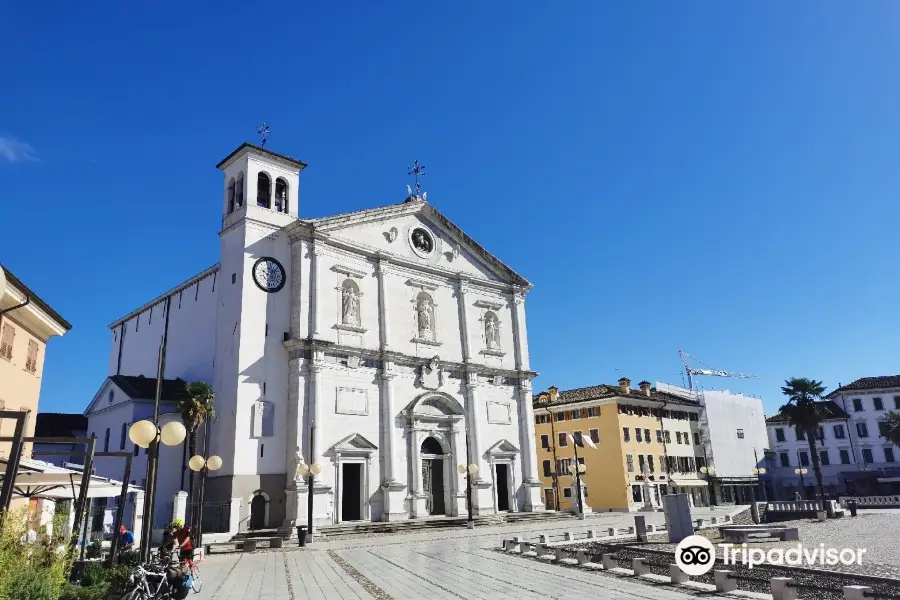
695,555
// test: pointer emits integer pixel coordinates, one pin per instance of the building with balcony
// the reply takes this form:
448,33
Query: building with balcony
641,435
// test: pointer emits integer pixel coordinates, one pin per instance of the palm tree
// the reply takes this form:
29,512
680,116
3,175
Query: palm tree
195,404
891,427
805,415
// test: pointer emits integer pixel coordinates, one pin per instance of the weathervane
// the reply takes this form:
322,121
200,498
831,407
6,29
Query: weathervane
263,131
416,171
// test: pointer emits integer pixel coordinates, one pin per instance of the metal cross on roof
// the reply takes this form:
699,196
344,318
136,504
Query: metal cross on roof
263,131
416,170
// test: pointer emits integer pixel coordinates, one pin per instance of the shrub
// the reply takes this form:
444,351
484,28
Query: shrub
128,558
30,570
77,592
94,549
30,585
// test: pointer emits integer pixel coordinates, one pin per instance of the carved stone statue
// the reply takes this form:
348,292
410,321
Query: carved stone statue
491,332
431,375
350,307
425,316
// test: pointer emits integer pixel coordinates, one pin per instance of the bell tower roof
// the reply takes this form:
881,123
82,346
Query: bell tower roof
248,148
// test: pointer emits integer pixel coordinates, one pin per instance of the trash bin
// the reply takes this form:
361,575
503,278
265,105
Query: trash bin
851,506
301,535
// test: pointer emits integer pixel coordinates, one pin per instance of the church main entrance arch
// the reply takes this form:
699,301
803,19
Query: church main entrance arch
434,482
436,446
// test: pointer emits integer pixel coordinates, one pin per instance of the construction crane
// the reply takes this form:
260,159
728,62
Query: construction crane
691,371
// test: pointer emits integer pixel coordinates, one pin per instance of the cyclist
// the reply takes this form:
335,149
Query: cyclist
182,541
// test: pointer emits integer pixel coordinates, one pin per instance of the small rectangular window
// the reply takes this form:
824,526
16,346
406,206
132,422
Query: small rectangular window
6,341
637,434
625,435
804,458
867,456
567,493
563,441
547,471
845,457
696,438
545,441
740,434
897,402
629,463
879,405
857,405
233,278
647,436
32,357
862,430
595,436
889,455
823,458
262,450
801,435
779,435
785,459
838,432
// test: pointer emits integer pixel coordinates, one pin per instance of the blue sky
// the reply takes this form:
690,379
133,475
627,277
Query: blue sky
715,178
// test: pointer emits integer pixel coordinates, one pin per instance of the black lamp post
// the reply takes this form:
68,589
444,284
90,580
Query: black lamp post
310,471
469,470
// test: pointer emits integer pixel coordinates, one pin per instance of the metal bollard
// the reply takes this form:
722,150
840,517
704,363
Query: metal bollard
639,566
856,592
608,561
724,582
781,588
677,575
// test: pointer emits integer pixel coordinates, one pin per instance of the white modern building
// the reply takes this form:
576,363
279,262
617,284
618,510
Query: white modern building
733,435
854,456
379,344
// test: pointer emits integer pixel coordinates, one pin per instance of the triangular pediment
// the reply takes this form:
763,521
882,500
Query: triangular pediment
354,443
504,446
390,230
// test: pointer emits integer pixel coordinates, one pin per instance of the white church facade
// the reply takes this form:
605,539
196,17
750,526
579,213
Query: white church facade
384,345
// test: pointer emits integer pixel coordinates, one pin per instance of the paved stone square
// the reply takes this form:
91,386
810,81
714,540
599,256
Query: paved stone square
457,564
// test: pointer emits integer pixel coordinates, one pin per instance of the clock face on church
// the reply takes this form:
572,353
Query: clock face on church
268,274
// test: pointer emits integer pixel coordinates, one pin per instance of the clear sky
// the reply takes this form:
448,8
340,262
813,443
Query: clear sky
703,176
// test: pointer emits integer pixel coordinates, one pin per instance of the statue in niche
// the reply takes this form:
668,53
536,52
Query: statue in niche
350,306
491,332
425,316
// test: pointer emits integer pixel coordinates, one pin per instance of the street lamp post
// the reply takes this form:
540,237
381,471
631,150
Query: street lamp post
148,434
710,473
801,471
198,463
310,471
577,470
760,471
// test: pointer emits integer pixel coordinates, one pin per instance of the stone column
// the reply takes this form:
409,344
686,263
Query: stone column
137,519
461,288
317,278
179,506
520,334
526,417
315,381
472,413
294,439
383,319
459,491
388,413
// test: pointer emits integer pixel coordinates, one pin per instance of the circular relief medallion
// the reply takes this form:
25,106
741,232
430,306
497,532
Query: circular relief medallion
268,274
421,241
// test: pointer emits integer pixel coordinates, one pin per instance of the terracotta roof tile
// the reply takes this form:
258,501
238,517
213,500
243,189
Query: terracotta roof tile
868,383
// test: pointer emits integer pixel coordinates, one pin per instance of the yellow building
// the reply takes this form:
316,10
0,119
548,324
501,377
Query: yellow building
26,323
647,445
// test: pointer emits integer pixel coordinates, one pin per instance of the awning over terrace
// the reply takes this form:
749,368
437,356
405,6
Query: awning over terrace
38,479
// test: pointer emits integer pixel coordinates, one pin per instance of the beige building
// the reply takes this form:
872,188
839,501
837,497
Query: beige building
26,323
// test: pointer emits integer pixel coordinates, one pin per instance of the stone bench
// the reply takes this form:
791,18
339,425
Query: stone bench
741,535
275,542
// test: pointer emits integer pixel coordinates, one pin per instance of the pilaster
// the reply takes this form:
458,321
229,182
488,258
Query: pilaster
461,289
383,318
